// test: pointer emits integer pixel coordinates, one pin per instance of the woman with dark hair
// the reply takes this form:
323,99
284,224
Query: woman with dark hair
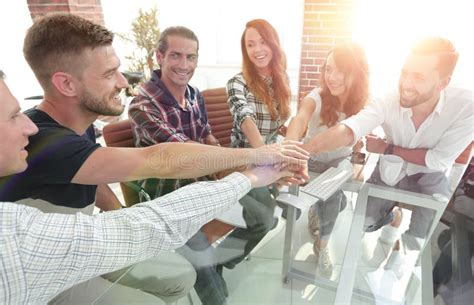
343,91
259,100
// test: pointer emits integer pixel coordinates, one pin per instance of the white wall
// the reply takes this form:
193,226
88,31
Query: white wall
14,21
219,26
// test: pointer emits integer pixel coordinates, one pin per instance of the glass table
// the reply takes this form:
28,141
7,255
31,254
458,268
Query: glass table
367,270
360,273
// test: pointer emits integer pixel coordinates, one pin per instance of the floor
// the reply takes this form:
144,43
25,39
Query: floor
259,279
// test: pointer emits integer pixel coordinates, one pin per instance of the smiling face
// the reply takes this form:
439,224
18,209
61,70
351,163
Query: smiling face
15,128
420,81
258,51
101,82
178,62
337,81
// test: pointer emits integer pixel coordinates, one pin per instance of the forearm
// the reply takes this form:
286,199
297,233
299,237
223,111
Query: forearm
252,133
295,130
415,156
380,146
192,160
105,198
333,138
119,238
211,140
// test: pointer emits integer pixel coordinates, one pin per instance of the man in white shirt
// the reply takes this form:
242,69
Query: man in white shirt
426,123
42,254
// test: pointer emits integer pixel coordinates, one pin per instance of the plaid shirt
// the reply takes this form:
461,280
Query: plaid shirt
243,104
43,254
156,117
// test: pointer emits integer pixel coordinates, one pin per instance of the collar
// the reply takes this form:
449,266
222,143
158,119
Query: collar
440,105
155,89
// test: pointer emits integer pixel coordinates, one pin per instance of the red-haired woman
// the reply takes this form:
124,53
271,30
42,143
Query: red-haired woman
344,91
259,100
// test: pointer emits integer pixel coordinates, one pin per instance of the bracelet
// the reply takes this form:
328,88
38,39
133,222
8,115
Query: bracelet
389,150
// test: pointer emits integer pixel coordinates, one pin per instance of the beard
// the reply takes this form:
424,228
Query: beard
417,98
101,105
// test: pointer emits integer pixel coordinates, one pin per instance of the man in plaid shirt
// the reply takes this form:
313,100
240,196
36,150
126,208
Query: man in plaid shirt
168,109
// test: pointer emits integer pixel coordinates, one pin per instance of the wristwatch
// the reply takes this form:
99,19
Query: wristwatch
389,150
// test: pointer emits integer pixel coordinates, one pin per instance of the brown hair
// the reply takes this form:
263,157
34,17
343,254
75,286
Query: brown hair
179,31
55,42
256,84
351,60
443,48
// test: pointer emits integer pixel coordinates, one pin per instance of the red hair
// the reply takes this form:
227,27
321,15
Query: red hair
256,84
351,60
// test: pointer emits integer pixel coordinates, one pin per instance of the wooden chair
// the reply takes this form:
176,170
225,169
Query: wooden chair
119,134
218,114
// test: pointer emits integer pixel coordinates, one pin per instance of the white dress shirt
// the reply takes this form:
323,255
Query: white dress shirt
445,133
43,254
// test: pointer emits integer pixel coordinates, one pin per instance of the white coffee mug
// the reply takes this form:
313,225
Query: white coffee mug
391,169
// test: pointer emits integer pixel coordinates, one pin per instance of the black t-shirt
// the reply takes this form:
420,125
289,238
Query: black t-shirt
55,154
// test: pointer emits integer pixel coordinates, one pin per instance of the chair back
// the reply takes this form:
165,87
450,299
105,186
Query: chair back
218,114
119,134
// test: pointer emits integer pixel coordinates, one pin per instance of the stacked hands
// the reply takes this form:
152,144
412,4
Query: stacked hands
285,164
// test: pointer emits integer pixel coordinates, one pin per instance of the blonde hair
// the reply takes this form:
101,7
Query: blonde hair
441,47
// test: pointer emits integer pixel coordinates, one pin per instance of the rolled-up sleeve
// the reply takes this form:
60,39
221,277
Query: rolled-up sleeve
237,100
452,143
362,123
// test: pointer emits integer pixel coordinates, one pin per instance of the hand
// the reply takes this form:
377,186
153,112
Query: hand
226,172
260,176
300,175
358,146
211,140
289,152
282,130
375,144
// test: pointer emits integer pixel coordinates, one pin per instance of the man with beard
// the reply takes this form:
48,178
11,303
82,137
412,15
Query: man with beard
426,123
76,65
168,109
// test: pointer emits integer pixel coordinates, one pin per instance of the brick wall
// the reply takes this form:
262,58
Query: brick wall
89,9
326,23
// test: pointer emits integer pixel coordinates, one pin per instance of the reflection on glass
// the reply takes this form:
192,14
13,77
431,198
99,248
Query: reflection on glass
389,253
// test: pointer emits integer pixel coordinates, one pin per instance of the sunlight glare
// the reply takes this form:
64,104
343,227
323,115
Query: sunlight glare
386,29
